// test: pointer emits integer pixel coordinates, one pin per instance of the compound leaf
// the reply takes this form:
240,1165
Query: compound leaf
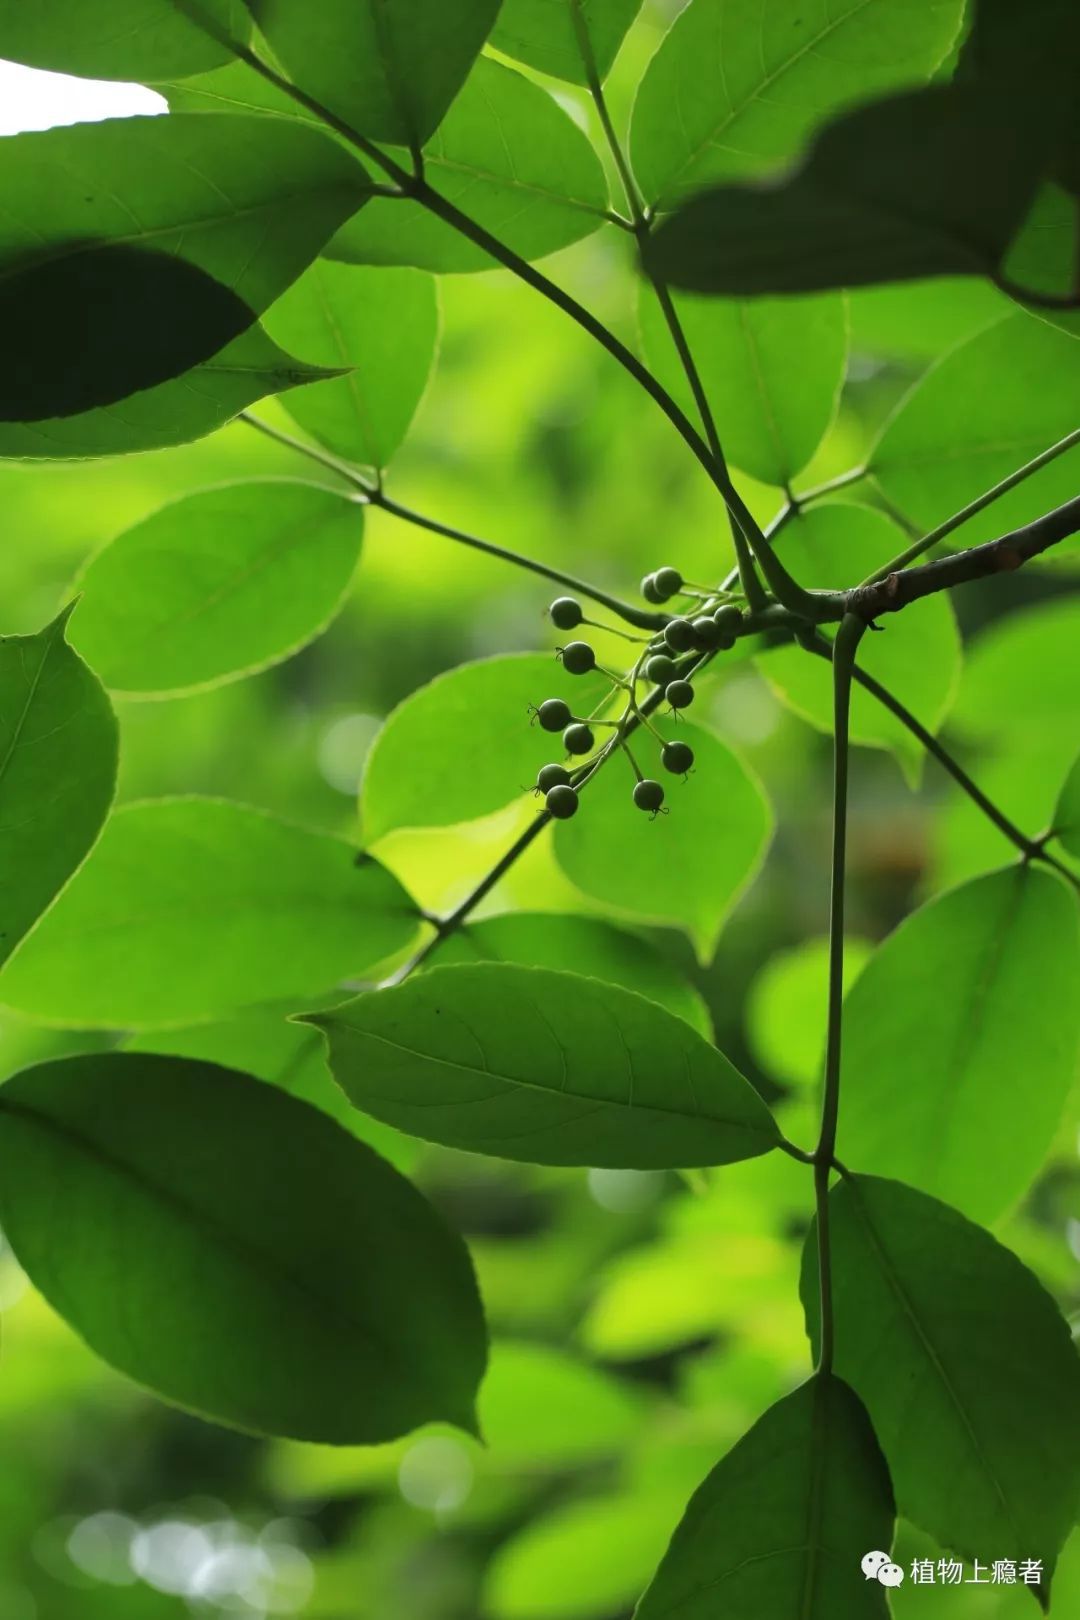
964,1364
191,908
782,1523
546,1067
512,159
381,328
967,1008
545,34
305,1289
145,40
58,753
217,584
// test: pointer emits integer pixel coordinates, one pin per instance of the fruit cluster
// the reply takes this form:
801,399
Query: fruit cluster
667,663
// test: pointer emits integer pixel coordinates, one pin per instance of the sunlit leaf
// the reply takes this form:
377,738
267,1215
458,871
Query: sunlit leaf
1067,814
543,33
916,655
771,415
964,1365
579,945
786,67
512,159
381,326
123,39
786,1009
191,908
471,728
217,584
968,1001
783,1521
687,868
548,1067
980,413
389,72
58,750
305,1289
1021,674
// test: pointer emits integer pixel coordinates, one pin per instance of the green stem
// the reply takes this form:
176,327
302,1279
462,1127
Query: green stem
375,496
971,510
847,641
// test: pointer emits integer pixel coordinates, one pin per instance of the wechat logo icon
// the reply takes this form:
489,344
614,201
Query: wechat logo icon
878,1566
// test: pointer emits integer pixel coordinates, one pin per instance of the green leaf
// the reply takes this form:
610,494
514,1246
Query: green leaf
970,1001
127,39
772,371
1021,674
580,945
58,752
917,655
687,868
980,413
471,729
305,1289
380,325
737,87
546,1067
211,219
932,182
964,1365
390,72
288,1055
191,908
506,154
786,1009
543,33
542,1409
174,412
918,320
1067,815
216,585
583,1560
782,1523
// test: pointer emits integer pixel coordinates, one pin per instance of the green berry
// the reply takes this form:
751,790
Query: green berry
554,714
677,757
578,658
680,694
549,776
577,739
706,632
561,802
659,669
565,613
648,795
679,635
669,582
728,619
725,643
650,590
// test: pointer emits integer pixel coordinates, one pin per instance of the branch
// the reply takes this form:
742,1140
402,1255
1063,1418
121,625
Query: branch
1010,551
847,643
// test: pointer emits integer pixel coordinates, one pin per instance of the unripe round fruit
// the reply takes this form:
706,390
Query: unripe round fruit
659,669
706,632
677,757
725,643
668,582
679,635
680,694
648,795
561,802
577,739
566,613
578,658
728,619
554,714
650,591
549,776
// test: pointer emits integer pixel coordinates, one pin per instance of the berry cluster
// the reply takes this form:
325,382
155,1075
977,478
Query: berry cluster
667,662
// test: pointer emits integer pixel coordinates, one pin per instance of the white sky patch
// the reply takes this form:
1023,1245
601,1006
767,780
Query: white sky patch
33,99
